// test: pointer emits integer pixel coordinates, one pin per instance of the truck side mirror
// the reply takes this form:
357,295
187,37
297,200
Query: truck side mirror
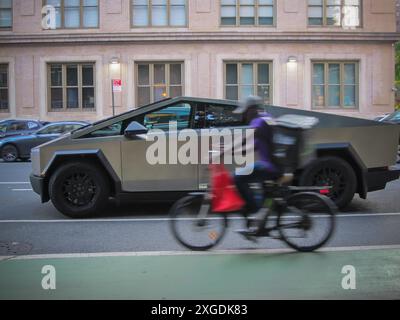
134,129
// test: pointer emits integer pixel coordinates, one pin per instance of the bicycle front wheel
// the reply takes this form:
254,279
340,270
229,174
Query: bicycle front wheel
194,225
308,221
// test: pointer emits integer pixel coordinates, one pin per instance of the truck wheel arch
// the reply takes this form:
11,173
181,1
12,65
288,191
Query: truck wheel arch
346,152
94,156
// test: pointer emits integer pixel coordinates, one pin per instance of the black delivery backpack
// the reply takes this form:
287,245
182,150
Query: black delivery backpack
291,146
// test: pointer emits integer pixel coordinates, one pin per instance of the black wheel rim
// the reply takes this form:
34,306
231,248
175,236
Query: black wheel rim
331,177
308,222
79,189
9,154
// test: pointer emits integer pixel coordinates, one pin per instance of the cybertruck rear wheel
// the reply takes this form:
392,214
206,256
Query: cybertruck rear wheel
79,189
333,172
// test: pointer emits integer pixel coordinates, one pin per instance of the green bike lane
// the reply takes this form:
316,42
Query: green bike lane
218,275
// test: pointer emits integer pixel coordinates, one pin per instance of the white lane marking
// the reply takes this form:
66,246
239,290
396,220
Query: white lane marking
21,190
13,183
193,253
396,214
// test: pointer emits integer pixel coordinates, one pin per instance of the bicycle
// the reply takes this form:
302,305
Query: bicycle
298,210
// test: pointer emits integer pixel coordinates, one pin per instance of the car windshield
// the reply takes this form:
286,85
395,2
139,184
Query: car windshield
395,117
3,128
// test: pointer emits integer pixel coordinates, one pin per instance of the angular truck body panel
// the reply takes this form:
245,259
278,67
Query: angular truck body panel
376,143
373,144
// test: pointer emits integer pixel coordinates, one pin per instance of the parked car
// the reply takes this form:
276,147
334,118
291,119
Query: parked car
380,118
82,170
14,127
19,147
392,118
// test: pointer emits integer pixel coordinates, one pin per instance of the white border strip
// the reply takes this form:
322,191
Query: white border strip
191,253
344,215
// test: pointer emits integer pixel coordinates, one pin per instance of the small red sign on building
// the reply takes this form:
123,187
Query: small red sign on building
117,85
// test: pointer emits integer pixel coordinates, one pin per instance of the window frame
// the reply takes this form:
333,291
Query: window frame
7,66
255,77
342,84
149,16
64,86
151,78
256,16
325,17
9,28
81,6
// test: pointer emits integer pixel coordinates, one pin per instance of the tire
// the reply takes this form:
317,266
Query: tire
334,172
79,189
9,153
186,226
305,213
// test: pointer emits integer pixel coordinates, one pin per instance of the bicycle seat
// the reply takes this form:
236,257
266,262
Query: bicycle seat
286,179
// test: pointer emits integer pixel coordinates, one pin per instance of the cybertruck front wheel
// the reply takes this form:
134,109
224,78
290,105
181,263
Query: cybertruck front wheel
79,189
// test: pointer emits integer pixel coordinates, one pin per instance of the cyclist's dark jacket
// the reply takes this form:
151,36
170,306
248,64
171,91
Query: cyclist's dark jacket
263,143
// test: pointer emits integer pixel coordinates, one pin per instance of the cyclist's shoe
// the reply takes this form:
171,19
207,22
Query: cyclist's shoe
249,234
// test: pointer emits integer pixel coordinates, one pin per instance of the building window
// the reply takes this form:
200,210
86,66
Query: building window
5,14
159,13
71,86
247,12
158,81
244,79
76,14
345,13
335,85
4,98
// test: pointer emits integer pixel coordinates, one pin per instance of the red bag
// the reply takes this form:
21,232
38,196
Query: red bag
225,197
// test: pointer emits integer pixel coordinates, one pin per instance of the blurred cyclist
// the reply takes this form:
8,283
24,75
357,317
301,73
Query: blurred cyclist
263,169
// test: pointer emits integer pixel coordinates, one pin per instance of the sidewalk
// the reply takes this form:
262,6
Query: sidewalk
212,276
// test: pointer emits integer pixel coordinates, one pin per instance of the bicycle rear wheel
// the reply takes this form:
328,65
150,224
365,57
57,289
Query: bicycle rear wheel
308,221
194,225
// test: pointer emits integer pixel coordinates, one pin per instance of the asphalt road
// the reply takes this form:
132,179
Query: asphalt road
30,227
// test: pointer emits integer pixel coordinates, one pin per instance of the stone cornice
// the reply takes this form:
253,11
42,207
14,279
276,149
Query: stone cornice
96,38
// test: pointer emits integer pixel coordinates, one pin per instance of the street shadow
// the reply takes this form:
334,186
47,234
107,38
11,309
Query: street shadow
134,209
356,206
253,256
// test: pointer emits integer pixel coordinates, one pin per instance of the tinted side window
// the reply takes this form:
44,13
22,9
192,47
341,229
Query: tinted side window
109,131
52,129
70,127
217,116
3,128
17,126
32,125
161,119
